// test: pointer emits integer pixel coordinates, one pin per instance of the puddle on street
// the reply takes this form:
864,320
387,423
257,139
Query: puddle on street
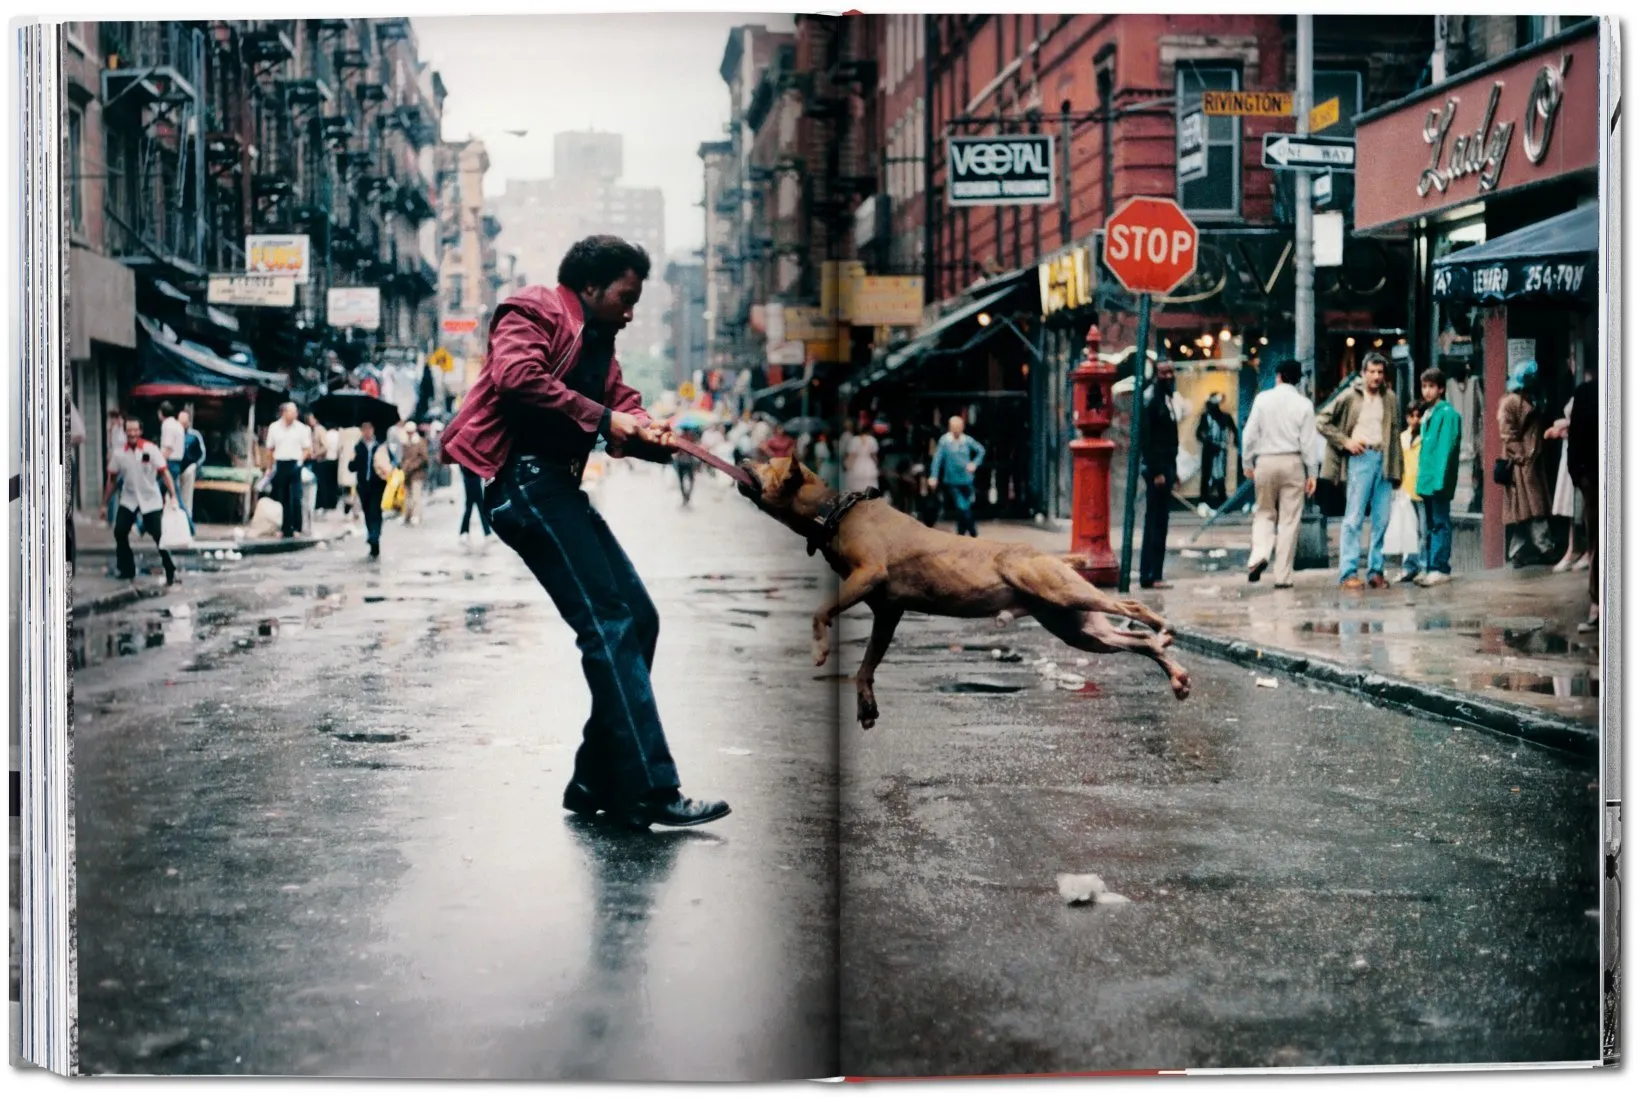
751,611
979,687
1565,685
370,736
1501,640
99,642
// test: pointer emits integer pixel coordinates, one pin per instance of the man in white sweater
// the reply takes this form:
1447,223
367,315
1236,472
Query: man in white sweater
1278,449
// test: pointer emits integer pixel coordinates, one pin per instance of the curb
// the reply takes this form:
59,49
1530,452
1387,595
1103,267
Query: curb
108,602
248,547
1542,728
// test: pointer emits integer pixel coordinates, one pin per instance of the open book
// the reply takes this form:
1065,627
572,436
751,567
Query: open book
749,547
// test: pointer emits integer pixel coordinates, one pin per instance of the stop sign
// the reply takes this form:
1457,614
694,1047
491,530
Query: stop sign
1150,245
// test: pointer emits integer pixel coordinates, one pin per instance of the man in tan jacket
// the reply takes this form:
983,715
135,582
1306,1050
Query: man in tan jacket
1363,429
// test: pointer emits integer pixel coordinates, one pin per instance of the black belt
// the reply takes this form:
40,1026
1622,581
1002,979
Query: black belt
574,467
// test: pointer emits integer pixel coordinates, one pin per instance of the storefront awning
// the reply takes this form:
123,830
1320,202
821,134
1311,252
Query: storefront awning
166,368
929,338
1550,262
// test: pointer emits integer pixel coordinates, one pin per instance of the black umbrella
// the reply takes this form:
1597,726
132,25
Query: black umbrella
797,426
354,407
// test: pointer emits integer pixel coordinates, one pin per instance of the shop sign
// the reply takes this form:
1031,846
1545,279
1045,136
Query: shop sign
354,307
239,289
1525,123
809,323
785,354
1000,170
283,254
1065,282
1190,148
886,300
458,326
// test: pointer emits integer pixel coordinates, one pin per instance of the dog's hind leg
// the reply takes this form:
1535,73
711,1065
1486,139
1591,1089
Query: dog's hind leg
1090,631
1047,580
883,623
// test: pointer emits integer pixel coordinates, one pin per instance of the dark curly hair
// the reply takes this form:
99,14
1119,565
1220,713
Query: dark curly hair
600,260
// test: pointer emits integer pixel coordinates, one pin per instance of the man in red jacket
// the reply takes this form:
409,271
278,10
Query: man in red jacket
550,386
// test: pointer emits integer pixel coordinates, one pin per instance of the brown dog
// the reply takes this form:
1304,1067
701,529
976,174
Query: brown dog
895,564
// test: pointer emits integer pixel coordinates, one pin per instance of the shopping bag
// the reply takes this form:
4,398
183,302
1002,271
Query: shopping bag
173,531
393,496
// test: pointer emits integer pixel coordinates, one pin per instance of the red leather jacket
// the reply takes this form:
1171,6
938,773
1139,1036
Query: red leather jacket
535,338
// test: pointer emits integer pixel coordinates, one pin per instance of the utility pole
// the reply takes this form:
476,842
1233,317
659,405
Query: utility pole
1304,246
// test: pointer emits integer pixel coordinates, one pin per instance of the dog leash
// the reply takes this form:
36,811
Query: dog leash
689,447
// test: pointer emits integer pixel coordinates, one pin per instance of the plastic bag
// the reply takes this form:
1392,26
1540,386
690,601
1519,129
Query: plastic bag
393,496
174,534
1188,463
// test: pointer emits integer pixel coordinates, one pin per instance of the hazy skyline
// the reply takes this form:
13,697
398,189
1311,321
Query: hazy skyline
651,78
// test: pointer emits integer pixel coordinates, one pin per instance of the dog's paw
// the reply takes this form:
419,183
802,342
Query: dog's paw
867,712
1181,684
1165,637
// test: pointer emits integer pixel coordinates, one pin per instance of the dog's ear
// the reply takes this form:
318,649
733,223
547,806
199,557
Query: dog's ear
793,480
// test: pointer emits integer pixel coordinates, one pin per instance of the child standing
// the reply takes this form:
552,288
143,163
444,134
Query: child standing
1405,534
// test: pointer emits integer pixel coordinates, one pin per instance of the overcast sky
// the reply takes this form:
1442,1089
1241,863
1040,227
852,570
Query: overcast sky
651,78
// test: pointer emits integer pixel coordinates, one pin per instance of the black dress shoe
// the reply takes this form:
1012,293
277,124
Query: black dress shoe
671,809
580,800
1256,571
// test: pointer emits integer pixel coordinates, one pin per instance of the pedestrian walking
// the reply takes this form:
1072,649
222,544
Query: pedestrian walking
1583,462
1216,433
371,467
1440,460
780,444
1404,536
1159,467
1568,500
170,440
825,458
1279,452
290,444
549,387
1520,469
1361,429
860,457
956,457
193,456
326,464
76,438
413,462
114,434
473,489
138,469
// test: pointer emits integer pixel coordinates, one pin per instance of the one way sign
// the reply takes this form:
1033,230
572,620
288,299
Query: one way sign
1285,151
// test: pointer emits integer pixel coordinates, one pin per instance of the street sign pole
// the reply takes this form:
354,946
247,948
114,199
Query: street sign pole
1136,437
1304,214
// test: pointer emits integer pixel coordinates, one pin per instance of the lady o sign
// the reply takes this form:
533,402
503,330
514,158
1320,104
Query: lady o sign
1150,245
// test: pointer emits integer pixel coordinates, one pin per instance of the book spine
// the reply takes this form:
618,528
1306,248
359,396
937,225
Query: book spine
43,972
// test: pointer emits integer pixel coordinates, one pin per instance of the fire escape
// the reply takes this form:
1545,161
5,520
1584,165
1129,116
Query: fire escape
153,100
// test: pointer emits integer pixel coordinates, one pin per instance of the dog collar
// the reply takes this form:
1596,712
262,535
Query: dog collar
833,519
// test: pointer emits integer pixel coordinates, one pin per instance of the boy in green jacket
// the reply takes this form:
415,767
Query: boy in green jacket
1438,476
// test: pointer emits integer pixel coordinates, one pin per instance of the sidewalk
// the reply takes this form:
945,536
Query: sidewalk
95,589
1497,649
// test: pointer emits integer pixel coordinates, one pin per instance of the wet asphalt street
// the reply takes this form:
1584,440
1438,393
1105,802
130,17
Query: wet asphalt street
319,833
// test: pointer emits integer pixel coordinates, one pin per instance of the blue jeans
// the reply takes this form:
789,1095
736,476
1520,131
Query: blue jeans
960,499
1365,487
539,510
1437,512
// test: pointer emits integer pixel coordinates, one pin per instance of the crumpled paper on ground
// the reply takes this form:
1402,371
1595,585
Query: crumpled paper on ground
1087,887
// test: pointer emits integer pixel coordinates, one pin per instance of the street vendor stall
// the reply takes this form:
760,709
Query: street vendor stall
228,401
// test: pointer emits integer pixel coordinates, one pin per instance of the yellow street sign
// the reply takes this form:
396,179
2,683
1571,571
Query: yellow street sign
1247,103
686,391
441,359
1323,115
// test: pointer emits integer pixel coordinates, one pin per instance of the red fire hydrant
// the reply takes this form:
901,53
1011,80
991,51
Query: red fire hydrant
1091,381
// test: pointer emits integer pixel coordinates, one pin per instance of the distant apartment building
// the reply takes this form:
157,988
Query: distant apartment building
685,320
541,219
471,273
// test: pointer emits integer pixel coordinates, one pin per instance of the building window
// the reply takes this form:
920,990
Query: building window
1218,194
76,171
1345,85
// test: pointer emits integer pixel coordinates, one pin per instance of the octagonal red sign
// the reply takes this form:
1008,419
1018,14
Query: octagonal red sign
1150,245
